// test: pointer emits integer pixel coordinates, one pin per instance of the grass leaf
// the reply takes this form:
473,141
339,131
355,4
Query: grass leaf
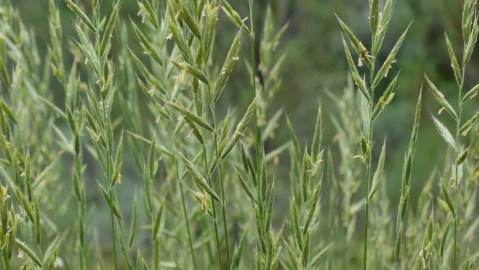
354,72
379,173
444,132
77,10
390,60
190,116
440,98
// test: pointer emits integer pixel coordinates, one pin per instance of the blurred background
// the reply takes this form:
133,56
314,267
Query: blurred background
315,64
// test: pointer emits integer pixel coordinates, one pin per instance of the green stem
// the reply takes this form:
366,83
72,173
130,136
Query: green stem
217,235
109,173
213,206
456,174
154,240
223,214
223,203
81,204
456,163
188,226
366,194
266,261
156,259
7,263
113,232
81,236
257,129
369,166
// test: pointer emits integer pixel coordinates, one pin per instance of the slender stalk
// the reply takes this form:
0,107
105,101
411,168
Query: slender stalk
154,238
223,214
223,198
82,238
456,163
113,233
366,194
81,212
370,142
456,194
259,151
187,221
7,263
257,129
156,259
109,174
110,183
213,206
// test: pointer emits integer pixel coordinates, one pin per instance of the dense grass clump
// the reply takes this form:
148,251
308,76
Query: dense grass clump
133,111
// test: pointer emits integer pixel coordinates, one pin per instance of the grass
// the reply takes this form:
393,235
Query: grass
189,182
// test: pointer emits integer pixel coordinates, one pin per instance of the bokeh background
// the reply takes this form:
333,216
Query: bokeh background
315,64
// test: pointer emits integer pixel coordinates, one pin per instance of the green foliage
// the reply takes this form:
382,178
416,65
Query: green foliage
141,122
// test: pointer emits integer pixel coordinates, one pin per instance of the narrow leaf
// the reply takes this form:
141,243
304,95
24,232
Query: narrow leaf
444,132
234,17
391,59
379,173
454,62
227,69
440,98
193,71
357,44
354,72
198,178
466,127
386,98
471,93
159,215
30,253
239,131
190,116
77,10
447,198
107,34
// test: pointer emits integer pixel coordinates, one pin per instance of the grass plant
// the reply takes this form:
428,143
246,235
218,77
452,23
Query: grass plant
136,111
